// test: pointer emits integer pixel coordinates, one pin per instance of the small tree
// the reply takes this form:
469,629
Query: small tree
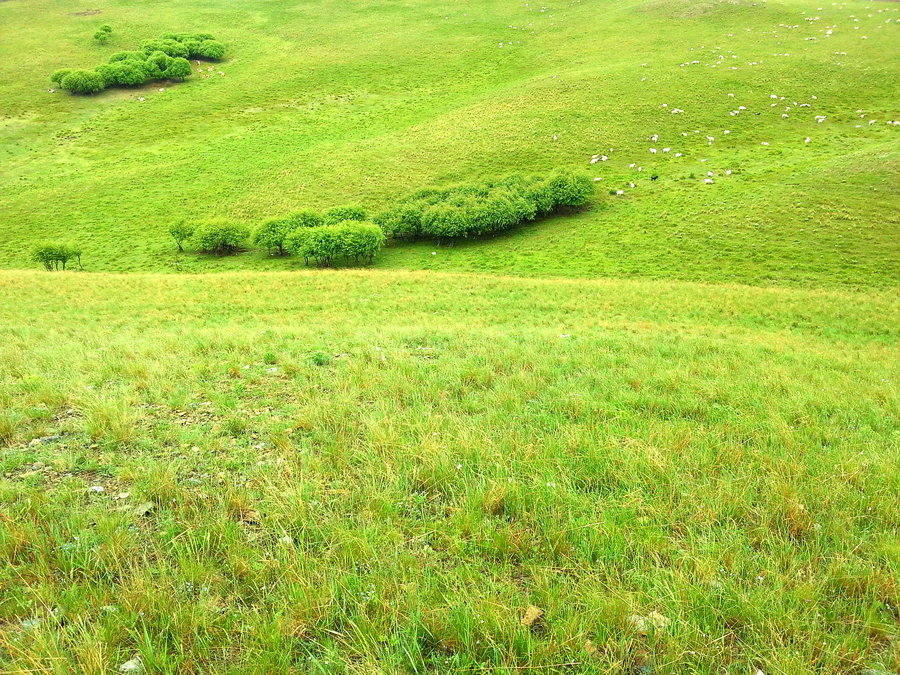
403,221
360,241
339,214
83,82
294,241
181,232
272,233
46,255
219,236
54,255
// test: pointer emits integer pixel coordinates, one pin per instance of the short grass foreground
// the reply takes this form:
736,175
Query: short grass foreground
336,472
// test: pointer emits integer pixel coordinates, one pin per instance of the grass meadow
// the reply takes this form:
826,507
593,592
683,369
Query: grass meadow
656,436
330,472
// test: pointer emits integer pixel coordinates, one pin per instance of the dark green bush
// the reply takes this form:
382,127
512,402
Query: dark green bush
102,34
403,221
272,233
156,65
83,82
181,232
483,208
339,214
322,244
122,74
360,241
54,256
219,236
128,56
161,59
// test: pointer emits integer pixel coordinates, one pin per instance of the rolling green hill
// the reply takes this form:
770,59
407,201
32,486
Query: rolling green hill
331,102
656,436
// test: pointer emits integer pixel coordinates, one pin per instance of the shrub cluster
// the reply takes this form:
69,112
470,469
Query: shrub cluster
102,35
350,239
215,235
340,232
483,208
345,231
162,59
54,256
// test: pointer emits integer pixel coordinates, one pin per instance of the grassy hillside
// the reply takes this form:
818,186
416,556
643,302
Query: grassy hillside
336,472
667,424
328,102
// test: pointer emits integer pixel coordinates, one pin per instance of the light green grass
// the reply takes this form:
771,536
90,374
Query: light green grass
329,102
345,471
725,456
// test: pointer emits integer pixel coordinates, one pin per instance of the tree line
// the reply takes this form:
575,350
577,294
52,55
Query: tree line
348,233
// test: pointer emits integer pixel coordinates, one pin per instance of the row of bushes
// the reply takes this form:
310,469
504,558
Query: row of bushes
340,232
483,208
462,211
162,59
54,256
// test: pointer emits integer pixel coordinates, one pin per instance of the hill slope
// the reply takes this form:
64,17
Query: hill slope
330,102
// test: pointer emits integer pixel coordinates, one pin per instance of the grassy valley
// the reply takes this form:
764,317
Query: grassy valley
657,434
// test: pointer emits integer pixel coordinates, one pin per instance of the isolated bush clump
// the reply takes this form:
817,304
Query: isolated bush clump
102,35
54,256
83,82
339,214
350,240
181,232
483,208
165,58
219,236
271,234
